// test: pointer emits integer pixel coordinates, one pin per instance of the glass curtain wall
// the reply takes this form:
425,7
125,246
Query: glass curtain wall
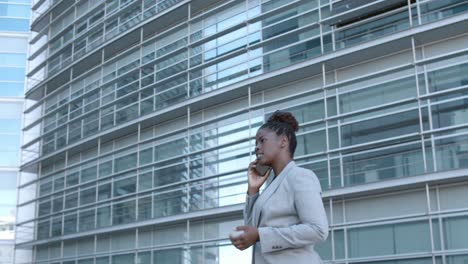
128,161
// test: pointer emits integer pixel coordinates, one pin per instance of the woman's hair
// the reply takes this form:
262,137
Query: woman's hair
284,123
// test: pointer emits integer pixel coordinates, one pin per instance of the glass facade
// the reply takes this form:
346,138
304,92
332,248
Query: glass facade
14,35
14,17
141,115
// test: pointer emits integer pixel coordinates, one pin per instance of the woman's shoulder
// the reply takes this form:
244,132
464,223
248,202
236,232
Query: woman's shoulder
304,178
302,172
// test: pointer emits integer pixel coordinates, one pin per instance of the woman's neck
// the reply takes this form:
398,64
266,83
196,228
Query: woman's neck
279,165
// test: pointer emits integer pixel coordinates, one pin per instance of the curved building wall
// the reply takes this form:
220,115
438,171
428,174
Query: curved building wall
141,116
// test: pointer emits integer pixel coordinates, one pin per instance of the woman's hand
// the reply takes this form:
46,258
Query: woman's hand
255,179
248,238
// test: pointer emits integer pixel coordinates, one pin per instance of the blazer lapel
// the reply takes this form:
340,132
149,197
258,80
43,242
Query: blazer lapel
270,190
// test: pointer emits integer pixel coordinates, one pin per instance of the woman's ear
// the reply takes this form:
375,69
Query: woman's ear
284,141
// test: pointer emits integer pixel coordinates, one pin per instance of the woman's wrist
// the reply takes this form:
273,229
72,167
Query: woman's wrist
252,191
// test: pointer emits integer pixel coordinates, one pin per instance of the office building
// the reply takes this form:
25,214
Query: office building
141,115
14,36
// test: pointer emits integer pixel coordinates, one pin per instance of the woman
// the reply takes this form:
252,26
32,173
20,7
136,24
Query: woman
284,222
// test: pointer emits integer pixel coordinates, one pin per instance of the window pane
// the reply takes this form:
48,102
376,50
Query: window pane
72,179
123,212
104,191
123,259
380,128
457,259
11,88
393,239
103,216
102,260
144,258
88,196
13,59
173,256
88,174
170,149
455,232
339,244
86,220
57,226
450,114
105,168
170,203
172,174
450,152
402,161
146,156
448,78
43,229
71,200
14,24
145,181
69,225
126,186
377,95
11,74
126,162
311,143
144,208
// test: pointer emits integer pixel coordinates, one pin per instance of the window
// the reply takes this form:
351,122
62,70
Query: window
14,24
455,232
126,162
124,212
124,187
144,208
123,259
70,224
72,179
103,216
172,174
168,256
71,200
170,149
170,203
146,156
88,196
380,128
12,59
105,168
394,239
44,208
88,174
12,74
145,181
57,204
43,229
86,220
144,258
104,191
57,226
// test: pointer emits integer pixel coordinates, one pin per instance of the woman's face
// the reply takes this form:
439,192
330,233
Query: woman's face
267,146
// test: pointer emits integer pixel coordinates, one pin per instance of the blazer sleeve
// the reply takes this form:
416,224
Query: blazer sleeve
313,225
248,209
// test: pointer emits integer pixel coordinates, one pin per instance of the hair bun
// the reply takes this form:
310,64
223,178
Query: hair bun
284,117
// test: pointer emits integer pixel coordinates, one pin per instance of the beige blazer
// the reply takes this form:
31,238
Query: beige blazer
290,218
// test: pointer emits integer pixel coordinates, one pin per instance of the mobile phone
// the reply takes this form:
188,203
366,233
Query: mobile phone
261,169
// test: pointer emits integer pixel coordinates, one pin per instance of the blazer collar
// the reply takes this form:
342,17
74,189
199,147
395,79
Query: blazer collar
270,190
